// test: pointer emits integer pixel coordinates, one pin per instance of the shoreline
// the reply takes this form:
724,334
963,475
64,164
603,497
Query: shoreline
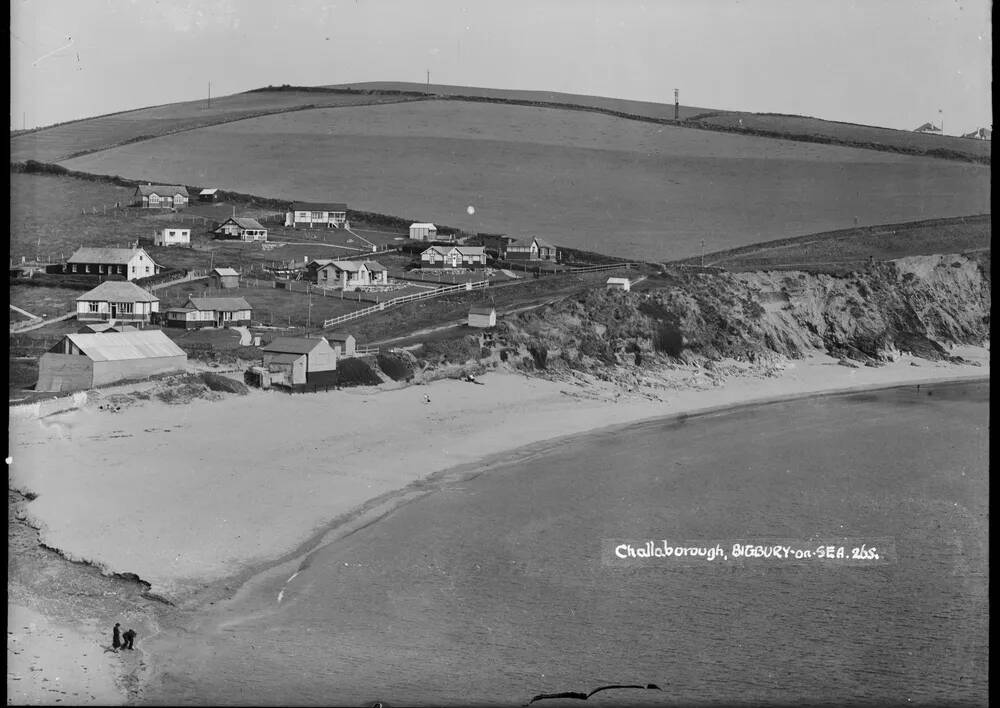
428,472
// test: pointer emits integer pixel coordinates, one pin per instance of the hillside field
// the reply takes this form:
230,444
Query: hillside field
583,180
849,249
61,141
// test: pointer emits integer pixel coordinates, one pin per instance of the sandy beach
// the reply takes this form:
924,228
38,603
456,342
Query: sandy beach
186,495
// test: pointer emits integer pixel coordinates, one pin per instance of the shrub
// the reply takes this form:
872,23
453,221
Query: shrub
539,354
218,382
396,366
355,372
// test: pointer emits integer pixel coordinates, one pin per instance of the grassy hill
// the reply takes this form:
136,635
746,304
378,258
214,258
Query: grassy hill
586,180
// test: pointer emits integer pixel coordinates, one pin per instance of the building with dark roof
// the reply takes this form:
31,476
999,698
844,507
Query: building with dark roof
112,263
241,227
311,214
537,249
160,196
200,312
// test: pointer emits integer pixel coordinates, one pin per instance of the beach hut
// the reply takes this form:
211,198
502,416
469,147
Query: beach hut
423,232
483,316
345,344
298,360
619,284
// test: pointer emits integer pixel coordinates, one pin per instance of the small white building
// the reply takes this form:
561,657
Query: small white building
423,232
344,344
172,236
619,284
327,214
482,316
351,275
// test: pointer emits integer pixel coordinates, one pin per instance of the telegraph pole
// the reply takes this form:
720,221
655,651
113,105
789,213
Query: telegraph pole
677,104
703,253
428,77
209,94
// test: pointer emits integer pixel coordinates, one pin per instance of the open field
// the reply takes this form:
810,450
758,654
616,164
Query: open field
860,135
850,249
77,137
585,180
43,300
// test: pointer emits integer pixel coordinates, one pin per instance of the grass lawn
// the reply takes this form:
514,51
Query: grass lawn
582,180
44,300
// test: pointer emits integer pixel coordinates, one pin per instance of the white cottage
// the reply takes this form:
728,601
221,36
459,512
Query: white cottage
119,301
423,232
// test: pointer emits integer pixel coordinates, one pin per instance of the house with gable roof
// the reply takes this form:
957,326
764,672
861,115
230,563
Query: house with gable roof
160,196
537,249
118,301
326,214
242,228
295,361
350,275
112,263
200,312
453,257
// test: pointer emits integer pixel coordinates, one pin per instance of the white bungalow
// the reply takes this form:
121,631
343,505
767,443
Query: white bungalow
131,263
351,275
619,284
454,257
326,214
117,300
243,228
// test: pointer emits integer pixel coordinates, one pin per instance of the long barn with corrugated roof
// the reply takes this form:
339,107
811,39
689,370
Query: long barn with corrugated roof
84,361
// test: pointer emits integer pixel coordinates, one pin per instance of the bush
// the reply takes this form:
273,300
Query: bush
355,372
396,366
539,354
218,382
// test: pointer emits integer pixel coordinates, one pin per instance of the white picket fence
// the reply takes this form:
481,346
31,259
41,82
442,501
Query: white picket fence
438,292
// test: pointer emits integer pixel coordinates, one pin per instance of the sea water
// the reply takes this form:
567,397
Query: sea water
494,589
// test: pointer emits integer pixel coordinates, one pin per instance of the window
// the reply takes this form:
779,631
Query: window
147,269
318,215
125,308
100,269
74,267
93,307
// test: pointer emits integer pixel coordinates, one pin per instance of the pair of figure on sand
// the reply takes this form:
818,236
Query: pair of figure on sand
122,640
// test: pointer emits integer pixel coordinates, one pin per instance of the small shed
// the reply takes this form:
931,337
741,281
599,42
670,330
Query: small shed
483,316
82,361
345,344
208,195
423,232
619,284
224,278
298,360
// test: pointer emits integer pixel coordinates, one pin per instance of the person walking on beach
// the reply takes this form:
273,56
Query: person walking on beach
129,638
116,639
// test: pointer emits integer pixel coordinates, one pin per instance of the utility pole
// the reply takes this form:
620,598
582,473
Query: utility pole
941,113
309,315
703,253
677,104
428,77
209,94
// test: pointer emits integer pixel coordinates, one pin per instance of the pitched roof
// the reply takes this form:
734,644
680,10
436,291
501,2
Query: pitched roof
542,243
211,190
116,256
318,206
225,271
425,225
338,337
481,310
470,250
106,327
285,358
220,304
374,265
174,226
292,345
353,266
319,262
244,222
437,249
119,346
162,189
927,128
119,291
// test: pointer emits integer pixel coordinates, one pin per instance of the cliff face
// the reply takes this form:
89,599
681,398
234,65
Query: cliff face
919,305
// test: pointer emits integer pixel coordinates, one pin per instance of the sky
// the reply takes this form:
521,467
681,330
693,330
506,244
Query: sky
894,63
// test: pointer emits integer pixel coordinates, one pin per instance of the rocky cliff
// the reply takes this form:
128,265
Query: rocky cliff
920,305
